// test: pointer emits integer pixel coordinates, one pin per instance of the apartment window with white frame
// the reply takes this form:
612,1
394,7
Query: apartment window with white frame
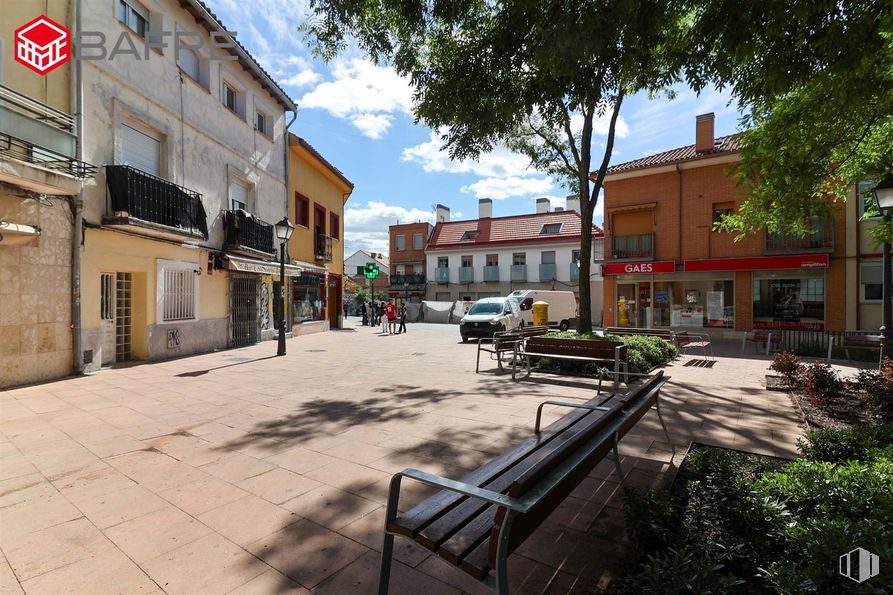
400,243
179,292
239,195
443,262
547,257
467,261
492,260
871,282
233,99
134,16
263,123
519,258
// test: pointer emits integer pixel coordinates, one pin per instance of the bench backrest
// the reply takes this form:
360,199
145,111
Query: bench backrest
504,338
577,347
558,474
664,334
865,341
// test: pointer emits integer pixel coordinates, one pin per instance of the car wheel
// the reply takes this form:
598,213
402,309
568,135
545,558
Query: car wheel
564,325
464,339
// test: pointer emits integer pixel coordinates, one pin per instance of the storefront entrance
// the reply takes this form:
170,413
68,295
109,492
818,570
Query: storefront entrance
244,318
634,304
683,300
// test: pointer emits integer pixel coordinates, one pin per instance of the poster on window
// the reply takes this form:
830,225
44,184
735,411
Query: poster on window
714,305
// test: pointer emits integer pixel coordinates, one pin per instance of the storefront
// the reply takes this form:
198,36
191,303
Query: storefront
308,297
788,292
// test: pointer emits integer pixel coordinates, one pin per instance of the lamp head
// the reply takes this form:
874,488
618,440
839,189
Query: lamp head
883,194
284,229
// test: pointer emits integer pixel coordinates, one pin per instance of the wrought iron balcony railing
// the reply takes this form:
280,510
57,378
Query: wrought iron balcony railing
323,248
243,230
412,279
633,246
820,240
138,195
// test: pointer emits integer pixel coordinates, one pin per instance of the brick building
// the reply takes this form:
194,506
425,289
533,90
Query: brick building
407,251
666,266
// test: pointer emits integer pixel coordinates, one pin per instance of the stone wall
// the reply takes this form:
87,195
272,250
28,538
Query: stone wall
35,293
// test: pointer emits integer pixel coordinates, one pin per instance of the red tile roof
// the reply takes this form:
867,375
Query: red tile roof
723,145
515,229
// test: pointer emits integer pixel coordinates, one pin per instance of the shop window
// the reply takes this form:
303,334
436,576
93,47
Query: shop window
794,302
722,209
307,298
871,282
302,210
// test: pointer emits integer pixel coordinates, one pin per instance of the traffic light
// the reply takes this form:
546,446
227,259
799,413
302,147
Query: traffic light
371,270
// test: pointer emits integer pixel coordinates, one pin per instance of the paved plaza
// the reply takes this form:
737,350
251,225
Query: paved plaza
239,472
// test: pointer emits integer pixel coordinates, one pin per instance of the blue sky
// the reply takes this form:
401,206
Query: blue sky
359,116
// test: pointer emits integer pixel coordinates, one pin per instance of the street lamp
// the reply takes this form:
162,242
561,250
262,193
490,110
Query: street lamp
283,232
883,198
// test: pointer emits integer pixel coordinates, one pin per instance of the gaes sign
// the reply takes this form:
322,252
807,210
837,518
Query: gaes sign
639,268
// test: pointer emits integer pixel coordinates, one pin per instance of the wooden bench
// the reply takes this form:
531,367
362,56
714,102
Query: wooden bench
856,341
686,340
594,351
622,331
504,342
476,522
759,337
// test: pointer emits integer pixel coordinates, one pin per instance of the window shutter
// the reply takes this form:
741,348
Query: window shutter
140,150
238,194
189,63
872,274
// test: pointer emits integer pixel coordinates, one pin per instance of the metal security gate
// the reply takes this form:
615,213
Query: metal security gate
244,321
123,312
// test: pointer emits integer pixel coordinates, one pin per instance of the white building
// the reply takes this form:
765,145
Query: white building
493,256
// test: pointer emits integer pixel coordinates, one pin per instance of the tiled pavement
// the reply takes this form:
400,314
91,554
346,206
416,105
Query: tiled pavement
238,472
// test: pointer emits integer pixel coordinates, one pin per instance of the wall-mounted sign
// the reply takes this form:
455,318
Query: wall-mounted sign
639,268
759,263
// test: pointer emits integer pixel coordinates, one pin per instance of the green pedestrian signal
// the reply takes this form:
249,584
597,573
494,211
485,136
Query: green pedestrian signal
371,270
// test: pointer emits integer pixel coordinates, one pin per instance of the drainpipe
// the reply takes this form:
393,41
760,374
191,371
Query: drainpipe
77,207
284,286
679,210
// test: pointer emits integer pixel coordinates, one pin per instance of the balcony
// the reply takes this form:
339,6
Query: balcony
442,274
39,134
466,274
575,271
820,240
633,247
519,272
399,281
323,251
243,232
547,272
156,206
491,274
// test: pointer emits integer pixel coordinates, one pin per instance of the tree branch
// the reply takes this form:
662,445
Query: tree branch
552,144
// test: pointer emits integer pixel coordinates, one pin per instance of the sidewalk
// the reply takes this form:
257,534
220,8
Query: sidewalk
246,473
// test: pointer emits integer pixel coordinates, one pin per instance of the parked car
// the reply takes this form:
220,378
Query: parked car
562,305
489,315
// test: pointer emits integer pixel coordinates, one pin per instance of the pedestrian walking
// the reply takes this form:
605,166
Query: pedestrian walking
402,316
384,322
367,314
390,310
364,312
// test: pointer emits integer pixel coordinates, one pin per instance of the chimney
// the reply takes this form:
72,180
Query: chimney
704,133
542,205
573,203
442,214
485,208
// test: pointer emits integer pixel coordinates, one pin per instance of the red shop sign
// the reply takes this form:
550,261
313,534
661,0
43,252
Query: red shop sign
639,268
758,263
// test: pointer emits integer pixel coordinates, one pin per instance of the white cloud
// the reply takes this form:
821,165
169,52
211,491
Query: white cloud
600,125
372,125
366,226
501,188
499,163
301,78
364,93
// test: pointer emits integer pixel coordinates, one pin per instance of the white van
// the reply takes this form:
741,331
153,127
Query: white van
489,315
562,305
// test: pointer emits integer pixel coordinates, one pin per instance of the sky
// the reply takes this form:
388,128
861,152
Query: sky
359,116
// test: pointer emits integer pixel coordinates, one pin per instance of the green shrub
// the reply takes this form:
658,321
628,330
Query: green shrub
877,386
644,354
652,518
689,569
836,446
788,365
821,383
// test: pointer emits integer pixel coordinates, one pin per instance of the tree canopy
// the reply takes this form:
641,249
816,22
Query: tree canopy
536,75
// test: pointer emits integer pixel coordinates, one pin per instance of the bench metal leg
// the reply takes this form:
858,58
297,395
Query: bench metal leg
502,547
477,365
387,548
663,425
617,461
830,347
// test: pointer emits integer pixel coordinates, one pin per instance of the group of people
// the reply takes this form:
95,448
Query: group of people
388,315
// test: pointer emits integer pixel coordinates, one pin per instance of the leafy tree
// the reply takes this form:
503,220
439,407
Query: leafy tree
537,75
815,80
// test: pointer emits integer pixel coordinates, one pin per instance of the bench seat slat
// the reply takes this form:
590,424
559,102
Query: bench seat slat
468,537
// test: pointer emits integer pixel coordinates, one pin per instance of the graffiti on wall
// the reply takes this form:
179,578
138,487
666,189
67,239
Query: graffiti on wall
264,312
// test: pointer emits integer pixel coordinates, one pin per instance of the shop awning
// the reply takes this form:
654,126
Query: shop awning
264,267
758,263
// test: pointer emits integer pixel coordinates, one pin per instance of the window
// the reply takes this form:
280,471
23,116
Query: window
418,269
722,209
551,228
134,16
179,294
519,258
233,99
471,234
575,256
238,195
548,257
399,243
188,62
302,210
334,226
263,124
792,303
141,148
443,262
865,198
360,271
106,299
871,280
467,261
418,241
319,220
493,260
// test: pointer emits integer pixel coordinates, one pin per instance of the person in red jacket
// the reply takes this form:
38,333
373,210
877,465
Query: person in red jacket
390,310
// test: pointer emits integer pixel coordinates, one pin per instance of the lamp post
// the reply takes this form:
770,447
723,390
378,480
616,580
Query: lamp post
883,198
283,232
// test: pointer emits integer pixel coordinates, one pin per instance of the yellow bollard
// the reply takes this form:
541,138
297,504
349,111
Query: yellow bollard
622,314
540,314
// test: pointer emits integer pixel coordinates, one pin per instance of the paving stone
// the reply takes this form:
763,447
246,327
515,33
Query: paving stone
54,547
248,519
278,485
203,495
234,467
157,532
330,507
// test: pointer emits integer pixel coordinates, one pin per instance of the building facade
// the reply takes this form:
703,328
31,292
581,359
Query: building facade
666,266
353,269
179,251
864,277
408,278
493,256
319,192
41,176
